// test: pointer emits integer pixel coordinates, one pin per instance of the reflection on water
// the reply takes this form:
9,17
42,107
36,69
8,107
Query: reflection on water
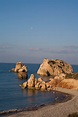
36,97
29,92
22,75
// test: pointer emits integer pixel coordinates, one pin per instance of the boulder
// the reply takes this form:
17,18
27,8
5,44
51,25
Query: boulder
54,67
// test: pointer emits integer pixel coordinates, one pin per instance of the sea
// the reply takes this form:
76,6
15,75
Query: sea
13,97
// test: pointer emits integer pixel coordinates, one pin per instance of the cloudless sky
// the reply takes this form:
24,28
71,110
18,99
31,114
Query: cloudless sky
31,30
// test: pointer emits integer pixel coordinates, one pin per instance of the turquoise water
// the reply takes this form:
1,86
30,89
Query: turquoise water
13,97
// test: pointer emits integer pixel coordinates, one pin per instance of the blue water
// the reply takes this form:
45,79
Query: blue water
13,97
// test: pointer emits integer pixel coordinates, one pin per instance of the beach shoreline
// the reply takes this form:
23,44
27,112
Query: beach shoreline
59,109
63,98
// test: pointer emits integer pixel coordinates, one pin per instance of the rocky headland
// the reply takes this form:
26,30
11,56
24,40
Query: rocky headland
59,73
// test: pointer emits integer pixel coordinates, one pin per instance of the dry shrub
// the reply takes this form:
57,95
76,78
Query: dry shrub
61,83
65,85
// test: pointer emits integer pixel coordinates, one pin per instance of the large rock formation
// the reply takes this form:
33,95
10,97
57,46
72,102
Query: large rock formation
30,84
21,70
54,67
31,81
38,84
58,81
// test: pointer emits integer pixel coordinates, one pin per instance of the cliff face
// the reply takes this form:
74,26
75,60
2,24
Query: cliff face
54,67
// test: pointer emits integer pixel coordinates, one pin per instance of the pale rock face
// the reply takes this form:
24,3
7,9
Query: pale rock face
60,76
42,72
54,67
31,81
37,86
18,66
40,80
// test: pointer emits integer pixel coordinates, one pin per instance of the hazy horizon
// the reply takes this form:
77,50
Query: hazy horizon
31,30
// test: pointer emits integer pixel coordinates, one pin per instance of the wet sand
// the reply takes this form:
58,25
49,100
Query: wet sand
57,110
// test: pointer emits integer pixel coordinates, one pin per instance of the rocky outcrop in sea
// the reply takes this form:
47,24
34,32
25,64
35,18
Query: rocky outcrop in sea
21,70
59,74
40,84
54,67
58,81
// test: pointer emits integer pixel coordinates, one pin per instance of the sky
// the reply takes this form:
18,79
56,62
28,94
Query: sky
31,30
